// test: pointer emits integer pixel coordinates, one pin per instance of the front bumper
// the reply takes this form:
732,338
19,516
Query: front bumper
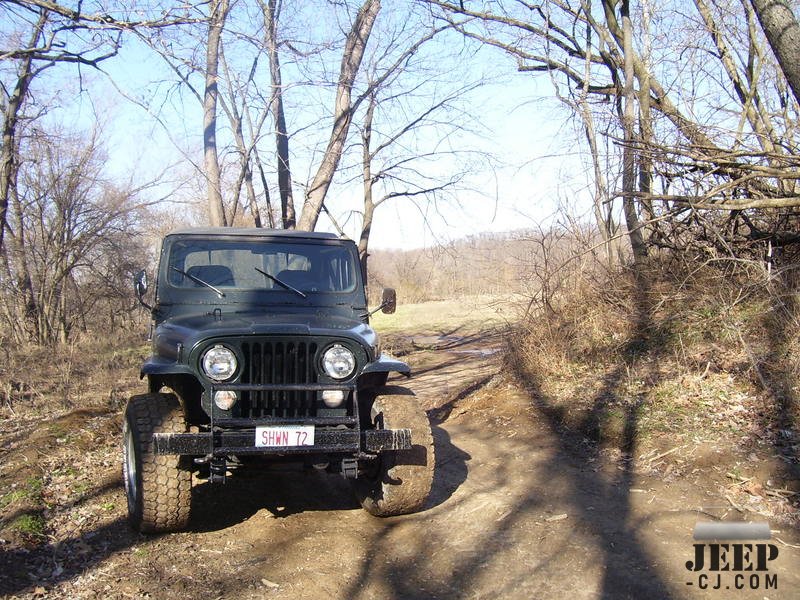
332,435
242,441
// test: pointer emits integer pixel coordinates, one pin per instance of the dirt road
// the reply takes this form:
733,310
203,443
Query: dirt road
520,509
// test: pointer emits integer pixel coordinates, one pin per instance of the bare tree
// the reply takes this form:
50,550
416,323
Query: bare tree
218,12
71,233
234,85
238,108
783,33
355,45
50,34
393,166
271,12
684,166
628,128
12,105
592,58
229,84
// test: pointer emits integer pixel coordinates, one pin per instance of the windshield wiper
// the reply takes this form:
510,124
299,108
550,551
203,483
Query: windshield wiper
281,283
200,281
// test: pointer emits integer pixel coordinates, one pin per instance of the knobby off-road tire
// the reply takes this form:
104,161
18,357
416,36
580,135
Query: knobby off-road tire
158,487
400,481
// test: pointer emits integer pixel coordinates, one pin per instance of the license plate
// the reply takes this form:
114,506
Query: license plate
282,436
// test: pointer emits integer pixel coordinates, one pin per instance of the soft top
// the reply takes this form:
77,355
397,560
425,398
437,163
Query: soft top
256,232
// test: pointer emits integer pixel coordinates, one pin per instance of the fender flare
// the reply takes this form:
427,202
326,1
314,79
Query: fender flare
156,365
387,364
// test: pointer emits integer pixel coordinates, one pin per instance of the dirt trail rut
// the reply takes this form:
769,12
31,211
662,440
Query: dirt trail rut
519,509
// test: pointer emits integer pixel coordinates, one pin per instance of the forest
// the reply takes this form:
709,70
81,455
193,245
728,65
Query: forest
644,300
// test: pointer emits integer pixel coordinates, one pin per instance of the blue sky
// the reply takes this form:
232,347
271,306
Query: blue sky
533,163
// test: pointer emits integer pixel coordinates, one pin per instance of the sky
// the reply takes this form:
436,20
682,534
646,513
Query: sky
529,168
519,186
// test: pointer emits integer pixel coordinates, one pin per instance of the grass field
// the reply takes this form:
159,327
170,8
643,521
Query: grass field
465,315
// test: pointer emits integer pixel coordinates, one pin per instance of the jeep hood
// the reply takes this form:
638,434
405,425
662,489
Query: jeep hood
189,330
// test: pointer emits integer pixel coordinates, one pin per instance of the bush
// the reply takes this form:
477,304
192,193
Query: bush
678,345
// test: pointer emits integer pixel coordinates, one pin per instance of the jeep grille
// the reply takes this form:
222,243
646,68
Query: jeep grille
278,362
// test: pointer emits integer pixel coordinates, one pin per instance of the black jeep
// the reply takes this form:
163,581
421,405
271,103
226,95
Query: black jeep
262,350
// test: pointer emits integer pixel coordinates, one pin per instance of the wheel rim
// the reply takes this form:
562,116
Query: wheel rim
131,474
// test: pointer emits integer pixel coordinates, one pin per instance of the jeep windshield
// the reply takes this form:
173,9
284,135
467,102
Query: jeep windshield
248,265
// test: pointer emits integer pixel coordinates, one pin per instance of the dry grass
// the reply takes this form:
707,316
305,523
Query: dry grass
59,423
679,373
702,357
101,370
463,316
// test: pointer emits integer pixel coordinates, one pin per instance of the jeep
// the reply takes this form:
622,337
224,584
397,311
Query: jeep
262,352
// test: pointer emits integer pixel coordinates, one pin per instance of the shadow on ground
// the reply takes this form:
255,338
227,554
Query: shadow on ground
282,490
777,375
601,499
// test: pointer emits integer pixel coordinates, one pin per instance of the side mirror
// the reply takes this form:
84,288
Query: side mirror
388,301
140,287
140,283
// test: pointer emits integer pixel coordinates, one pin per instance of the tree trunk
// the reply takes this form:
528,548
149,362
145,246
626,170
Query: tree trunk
783,34
645,118
276,104
218,13
265,186
26,301
369,203
245,172
628,152
8,150
259,165
231,108
343,113
603,215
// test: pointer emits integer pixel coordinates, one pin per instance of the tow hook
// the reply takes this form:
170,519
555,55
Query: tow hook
349,468
217,470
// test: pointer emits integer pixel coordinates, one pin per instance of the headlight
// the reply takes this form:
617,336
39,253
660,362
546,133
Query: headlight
219,363
338,362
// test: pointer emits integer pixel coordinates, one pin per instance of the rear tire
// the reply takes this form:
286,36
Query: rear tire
158,487
399,481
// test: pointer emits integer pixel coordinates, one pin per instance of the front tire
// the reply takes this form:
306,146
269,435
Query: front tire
400,480
158,487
